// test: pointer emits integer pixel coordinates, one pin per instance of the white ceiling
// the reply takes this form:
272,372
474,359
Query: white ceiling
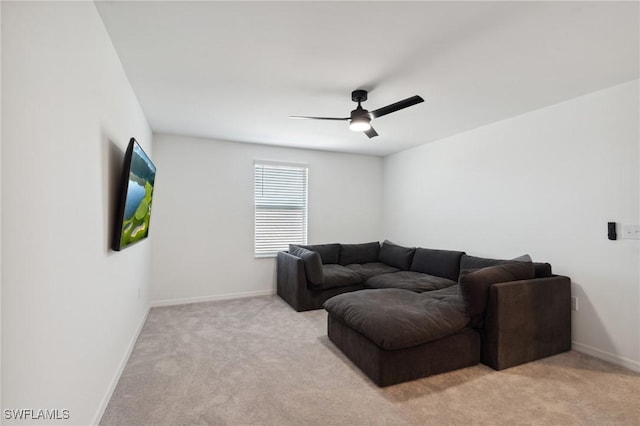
236,70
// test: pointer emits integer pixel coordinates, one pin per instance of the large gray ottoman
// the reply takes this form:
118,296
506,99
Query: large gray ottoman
396,335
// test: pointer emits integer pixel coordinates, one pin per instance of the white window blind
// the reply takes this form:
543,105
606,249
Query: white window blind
280,207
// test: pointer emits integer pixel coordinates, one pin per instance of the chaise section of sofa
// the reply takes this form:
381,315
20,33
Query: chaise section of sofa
505,314
389,367
401,313
517,330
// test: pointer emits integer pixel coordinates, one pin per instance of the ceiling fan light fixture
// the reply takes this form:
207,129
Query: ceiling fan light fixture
360,124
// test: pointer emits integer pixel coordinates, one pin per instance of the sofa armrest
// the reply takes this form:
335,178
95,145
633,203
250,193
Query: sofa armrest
291,278
526,320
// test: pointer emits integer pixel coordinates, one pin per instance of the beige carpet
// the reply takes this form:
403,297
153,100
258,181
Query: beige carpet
258,362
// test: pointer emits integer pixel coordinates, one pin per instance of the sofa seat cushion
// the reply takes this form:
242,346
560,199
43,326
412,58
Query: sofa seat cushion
338,276
368,270
408,280
397,319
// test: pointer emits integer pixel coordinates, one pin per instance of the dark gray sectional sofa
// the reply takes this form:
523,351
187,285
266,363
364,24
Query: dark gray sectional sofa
309,275
402,313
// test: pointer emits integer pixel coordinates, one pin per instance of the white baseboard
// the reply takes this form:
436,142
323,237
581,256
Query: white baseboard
123,363
199,299
606,356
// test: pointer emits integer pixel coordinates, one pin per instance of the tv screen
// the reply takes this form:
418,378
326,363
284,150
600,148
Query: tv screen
136,194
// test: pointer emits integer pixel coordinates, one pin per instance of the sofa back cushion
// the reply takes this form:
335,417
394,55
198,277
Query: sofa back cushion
542,270
474,285
312,263
329,253
440,263
396,256
359,253
472,262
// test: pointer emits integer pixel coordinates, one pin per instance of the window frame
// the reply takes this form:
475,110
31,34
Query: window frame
305,221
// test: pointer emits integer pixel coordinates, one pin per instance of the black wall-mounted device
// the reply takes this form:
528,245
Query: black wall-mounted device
611,228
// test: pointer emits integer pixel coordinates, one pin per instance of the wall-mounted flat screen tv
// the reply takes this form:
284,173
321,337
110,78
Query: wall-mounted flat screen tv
136,193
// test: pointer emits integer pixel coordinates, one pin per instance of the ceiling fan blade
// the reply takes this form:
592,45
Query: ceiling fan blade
371,133
301,117
405,103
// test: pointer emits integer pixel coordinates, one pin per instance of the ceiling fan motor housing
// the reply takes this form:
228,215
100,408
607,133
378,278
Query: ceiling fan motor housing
360,113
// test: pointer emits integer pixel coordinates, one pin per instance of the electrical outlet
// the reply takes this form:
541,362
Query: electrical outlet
631,232
574,303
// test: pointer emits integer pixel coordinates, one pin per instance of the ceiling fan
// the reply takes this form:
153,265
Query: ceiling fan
360,119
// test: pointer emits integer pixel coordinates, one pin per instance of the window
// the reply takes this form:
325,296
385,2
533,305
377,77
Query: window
280,207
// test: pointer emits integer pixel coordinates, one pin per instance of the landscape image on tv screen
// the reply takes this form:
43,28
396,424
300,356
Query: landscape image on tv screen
136,196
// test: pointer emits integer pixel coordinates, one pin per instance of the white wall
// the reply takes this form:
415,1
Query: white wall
202,224
70,306
544,183
0,203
